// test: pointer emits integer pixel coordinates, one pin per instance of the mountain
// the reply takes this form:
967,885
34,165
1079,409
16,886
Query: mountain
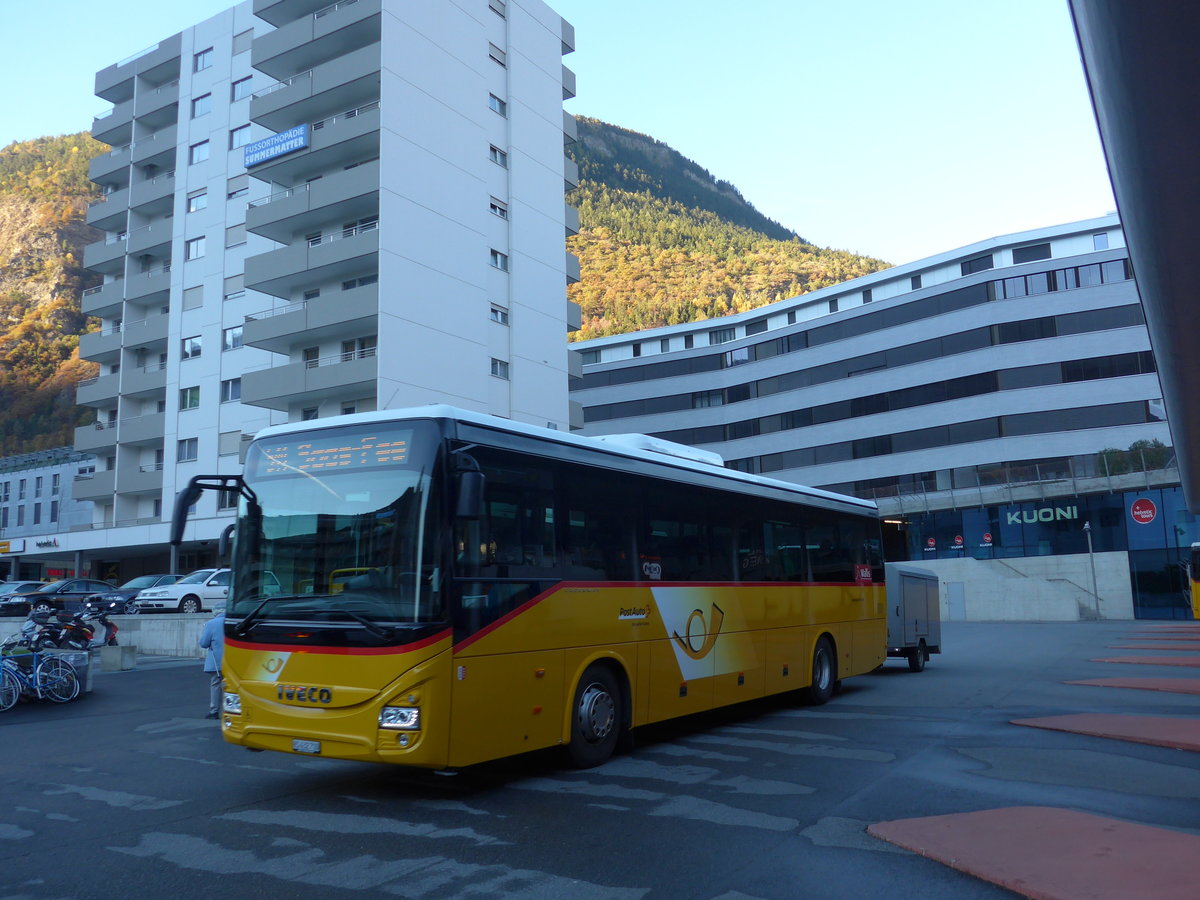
662,242
44,193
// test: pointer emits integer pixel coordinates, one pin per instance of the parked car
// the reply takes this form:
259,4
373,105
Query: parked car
66,594
12,600
121,600
201,591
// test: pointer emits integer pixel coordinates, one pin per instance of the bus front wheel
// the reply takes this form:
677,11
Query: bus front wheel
595,718
823,673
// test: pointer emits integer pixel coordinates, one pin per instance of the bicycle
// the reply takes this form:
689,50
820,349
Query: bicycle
46,677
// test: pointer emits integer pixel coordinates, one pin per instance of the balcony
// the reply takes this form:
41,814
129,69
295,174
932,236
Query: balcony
571,219
157,149
331,257
335,141
570,128
158,106
341,315
280,12
342,83
103,300
567,37
95,487
107,256
149,333
99,438
143,430
109,167
574,316
349,376
142,479
114,127
572,266
151,240
98,391
145,382
329,32
568,83
110,212
343,196
158,63
101,346
570,174
149,288
154,197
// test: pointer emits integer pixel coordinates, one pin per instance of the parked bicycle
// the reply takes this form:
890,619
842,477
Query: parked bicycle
41,675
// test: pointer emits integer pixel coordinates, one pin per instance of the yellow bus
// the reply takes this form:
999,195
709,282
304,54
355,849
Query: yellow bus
457,588
1194,580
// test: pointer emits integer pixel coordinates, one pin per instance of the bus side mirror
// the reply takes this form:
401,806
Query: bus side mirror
470,495
183,501
223,544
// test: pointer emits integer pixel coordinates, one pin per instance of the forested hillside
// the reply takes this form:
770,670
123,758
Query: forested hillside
662,242
44,192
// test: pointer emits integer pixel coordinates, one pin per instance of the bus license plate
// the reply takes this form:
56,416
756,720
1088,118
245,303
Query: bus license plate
306,746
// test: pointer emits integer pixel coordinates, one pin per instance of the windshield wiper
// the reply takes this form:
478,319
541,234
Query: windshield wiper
378,630
252,618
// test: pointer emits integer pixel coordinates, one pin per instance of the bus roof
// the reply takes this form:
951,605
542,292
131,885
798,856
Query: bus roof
653,450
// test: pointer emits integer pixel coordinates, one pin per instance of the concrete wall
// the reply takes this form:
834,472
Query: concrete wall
172,634
1033,588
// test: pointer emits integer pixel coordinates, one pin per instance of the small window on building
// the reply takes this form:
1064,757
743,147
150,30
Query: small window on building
227,499
721,335
496,54
312,295
193,297
498,208
242,41
238,186
664,346
756,327
978,264
867,296
198,153
496,105
202,60
1100,241
235,235
231,390
498,156
197,200
231,338
53,511
500,315
689,341
499,260
191,347
833,305
791,320
189,398
308,413
193,249
240,89
350,408
589,357
915,282
188,450
500,368
637,350
1031,253
201,106
239,137
37,514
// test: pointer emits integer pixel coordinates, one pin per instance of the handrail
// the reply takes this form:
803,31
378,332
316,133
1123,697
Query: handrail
296,306
337,358
280,85
333,7
343,234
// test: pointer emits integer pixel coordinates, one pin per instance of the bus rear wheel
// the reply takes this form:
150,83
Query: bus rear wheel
823,673
595,718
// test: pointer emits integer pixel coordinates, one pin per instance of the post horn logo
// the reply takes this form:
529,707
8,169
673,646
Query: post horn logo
708,636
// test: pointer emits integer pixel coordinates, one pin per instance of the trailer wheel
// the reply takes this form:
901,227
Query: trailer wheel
917,657
823,673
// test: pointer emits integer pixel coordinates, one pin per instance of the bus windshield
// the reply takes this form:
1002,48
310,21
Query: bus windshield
340,524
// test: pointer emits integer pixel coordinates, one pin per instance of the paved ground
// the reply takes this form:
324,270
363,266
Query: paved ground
904,784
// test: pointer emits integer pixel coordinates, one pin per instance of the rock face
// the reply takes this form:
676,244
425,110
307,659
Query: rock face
44,195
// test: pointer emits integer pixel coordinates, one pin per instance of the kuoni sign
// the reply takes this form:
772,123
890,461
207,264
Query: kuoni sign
1143,511
276,145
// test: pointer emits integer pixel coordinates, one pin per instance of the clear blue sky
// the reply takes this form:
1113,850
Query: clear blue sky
894,129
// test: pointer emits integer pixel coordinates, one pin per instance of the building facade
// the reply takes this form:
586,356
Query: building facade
38,508
1008,372
318,208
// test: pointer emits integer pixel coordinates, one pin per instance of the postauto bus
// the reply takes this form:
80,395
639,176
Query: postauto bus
455,588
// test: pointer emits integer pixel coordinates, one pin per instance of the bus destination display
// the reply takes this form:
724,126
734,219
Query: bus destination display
339,452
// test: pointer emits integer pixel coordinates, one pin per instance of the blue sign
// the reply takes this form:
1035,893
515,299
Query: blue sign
276,145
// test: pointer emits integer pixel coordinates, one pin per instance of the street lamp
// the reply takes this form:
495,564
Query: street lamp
1087,529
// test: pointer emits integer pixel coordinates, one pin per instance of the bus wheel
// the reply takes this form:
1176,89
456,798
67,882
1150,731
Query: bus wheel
917,657
823,677
596,718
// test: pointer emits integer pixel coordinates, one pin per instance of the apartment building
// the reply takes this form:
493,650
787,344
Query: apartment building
313,209
37,508
992,400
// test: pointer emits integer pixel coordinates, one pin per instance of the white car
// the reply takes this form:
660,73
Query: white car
203,590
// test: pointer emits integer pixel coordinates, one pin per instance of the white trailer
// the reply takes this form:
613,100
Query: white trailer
914,620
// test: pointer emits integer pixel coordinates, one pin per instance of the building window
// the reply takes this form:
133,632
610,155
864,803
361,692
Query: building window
689,341
833,305
500,368
500,315
193,249
1100,241
239,137
37,514
231,338
20,516
721,335
978,264
1032,253
189,450
231,390
498,156
227,499
867,296
312,295
915,281
235,236
37,487
4,517
311,357
238,186
361,348
55,485
53,511
202,60
664,345
308,414
352,283
197,153
349,409
637,350
191,347
4,492
240,89
497,6
496,54
242,41
189,398
756,327
499,260
197,200
21,489
496,105
201,106
498,208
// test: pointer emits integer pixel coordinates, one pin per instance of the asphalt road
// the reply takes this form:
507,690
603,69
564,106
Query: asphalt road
131,792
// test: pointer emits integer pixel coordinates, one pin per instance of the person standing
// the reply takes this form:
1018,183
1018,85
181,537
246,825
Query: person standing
212,639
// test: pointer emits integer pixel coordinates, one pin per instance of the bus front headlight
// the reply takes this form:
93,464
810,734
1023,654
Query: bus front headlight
232,703
401,718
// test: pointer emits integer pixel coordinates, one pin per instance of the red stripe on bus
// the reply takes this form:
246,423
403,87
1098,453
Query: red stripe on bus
509,616
341,651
